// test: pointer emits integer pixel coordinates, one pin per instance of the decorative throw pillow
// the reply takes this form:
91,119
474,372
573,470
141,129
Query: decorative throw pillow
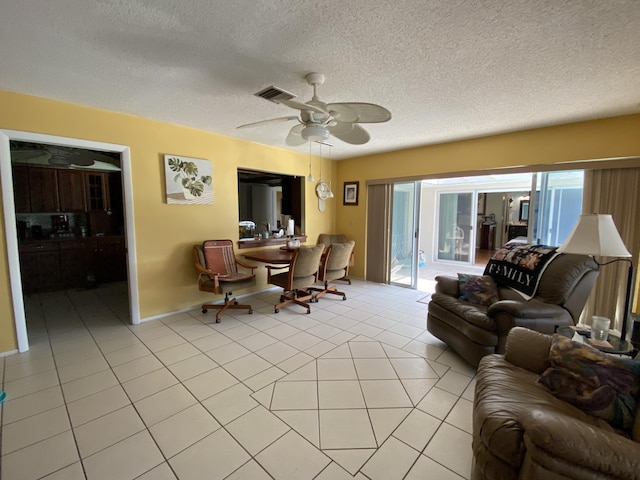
478,289
599,384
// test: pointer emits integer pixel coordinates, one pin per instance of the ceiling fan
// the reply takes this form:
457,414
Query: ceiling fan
317,120
55,156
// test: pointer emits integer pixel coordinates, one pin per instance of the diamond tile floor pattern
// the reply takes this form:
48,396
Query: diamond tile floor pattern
356,389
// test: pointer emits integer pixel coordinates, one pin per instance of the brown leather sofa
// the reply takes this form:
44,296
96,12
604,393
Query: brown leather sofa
474,331
521,431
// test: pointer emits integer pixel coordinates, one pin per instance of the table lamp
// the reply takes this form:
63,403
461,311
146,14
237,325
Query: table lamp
596,235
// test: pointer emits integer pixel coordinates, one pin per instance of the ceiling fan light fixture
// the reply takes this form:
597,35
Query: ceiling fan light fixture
314,133
59,161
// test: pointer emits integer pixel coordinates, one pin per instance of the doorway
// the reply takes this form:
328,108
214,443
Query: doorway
11,233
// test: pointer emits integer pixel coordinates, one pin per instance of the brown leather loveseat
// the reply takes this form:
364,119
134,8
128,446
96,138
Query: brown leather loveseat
474,331
521,431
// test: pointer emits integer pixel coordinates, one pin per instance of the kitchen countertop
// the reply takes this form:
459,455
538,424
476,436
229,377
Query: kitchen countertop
271,241
51,239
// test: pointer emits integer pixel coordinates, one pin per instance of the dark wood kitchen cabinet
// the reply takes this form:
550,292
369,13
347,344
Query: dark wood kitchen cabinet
40,267
97,184
111,259
77,261
21,189
71,190
43,190
48,190
64,264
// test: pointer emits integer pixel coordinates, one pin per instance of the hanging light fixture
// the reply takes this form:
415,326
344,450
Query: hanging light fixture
314,133
330,169
310,177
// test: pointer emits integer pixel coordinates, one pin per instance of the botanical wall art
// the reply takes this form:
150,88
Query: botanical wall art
188,180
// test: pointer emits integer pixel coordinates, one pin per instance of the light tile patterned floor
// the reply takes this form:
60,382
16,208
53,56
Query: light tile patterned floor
356,389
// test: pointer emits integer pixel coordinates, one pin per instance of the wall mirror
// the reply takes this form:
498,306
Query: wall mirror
524,211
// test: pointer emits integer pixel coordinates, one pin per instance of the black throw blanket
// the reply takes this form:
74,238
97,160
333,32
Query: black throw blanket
520,266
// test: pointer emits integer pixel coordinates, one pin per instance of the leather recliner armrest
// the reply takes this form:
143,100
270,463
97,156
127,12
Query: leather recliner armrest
566,445
447,285
530,309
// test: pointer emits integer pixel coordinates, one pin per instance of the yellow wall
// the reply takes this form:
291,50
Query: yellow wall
164,233
597,139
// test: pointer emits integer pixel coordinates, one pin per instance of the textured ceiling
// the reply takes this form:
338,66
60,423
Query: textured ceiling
446,69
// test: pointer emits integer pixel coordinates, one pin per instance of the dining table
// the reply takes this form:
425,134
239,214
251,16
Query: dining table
275,256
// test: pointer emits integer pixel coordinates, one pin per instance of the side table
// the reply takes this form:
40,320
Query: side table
617,347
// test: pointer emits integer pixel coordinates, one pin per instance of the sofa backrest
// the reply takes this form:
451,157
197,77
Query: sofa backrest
528,349
568,281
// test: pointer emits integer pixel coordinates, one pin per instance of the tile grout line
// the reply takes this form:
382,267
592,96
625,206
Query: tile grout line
252,351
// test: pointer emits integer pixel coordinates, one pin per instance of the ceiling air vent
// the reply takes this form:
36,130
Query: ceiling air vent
274,94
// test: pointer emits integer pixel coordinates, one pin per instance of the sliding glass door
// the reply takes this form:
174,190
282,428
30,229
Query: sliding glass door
455,229
404,234
557,204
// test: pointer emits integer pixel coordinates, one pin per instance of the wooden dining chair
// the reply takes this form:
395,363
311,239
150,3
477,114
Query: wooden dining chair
218,273
302,274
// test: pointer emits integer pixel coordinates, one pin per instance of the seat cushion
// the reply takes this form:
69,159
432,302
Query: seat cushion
282,280
481,331
470,312
207,284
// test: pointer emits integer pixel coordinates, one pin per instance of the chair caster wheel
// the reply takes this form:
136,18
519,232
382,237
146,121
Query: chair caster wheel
308,312
217,320
204,310
250,311
344,298
275,310
235,303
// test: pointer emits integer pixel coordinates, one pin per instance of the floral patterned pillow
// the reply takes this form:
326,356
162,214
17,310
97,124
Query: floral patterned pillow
601,385
478,289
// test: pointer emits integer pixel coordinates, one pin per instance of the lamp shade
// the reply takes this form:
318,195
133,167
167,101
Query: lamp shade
597,235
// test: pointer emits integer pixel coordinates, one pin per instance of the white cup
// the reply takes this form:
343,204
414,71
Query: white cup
600,328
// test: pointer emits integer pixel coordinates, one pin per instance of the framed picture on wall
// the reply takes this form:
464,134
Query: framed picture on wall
350,193
482,203
188,181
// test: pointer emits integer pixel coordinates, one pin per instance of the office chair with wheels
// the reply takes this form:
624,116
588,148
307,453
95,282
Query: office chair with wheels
218,267
302,274
334,265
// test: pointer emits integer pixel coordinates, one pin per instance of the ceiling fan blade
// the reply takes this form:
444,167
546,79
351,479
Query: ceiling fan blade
355,136
294,138
21,156
266,122
360,112
337,127
301,106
